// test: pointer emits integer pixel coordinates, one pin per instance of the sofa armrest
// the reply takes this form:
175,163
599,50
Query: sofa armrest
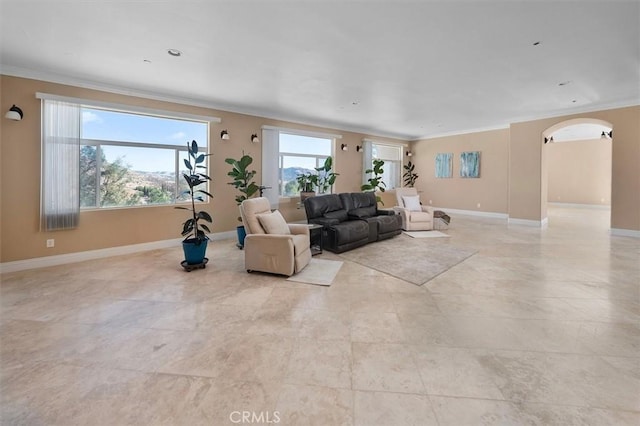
385,212
298,229
427,209
324,221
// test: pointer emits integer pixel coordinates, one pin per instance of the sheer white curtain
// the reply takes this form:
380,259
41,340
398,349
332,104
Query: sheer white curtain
271,165
60,206
367,159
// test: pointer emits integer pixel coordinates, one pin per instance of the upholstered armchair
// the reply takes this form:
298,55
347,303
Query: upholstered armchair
415,216
271,244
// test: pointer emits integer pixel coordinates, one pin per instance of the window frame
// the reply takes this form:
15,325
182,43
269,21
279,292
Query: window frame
399,163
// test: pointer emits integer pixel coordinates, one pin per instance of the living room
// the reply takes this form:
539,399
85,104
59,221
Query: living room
560,300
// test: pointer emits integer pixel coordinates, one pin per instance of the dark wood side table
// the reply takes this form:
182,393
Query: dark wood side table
315,236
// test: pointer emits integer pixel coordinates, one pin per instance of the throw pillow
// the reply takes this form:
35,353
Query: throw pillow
273,223
412,203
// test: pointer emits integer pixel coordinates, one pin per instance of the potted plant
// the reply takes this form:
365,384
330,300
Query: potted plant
243,182
325,178
307,183
410,176
195,233
375,182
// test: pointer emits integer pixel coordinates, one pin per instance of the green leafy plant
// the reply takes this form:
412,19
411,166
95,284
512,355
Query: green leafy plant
242,178
326,177
410,176
307,182
375,182
192,229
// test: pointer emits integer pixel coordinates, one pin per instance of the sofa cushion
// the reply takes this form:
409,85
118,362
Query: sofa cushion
420,217
274,223
340,215
320,205
352,230
412,203
363,212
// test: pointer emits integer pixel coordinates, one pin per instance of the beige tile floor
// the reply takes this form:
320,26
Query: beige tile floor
540,327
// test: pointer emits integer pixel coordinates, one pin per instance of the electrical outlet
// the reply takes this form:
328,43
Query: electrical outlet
430,202
478,205
51,243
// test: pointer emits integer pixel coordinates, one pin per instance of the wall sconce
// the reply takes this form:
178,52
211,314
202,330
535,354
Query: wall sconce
344,147
224,135
14,113
358,148
409,153
254,138
606,135
547,140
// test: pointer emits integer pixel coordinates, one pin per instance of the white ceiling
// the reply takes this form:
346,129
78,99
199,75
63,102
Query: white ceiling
406,69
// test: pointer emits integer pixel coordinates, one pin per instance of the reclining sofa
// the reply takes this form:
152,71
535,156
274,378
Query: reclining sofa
351,220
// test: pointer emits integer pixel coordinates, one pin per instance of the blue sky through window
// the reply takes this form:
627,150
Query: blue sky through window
127,127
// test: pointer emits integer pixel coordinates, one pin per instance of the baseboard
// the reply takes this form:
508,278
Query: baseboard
619,232
526,222
472,212
580,206
62,259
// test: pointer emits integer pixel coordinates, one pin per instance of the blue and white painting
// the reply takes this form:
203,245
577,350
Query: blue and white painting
470,164
444,165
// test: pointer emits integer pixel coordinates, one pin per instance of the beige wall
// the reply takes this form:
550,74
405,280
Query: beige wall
579,172
490,190
512,178
528,168
20,177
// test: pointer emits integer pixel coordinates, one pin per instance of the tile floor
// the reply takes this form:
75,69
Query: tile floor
541,327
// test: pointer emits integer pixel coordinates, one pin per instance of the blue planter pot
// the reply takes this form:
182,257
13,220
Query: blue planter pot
242,233
194,251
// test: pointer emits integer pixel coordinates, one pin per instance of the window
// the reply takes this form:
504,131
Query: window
286,153
131,159
299,154
392,157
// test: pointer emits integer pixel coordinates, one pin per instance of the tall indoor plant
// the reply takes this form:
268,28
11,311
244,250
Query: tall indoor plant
326,177
243,182
195,243
410,176
375,182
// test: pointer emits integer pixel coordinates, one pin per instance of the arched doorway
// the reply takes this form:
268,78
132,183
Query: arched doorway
576,171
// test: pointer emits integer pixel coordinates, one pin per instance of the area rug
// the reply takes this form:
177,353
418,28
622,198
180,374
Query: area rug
415,260
318,271
425,234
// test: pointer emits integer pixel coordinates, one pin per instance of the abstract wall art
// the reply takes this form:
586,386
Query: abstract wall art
470,164
444,165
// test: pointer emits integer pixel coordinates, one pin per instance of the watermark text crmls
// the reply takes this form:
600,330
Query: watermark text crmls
255,417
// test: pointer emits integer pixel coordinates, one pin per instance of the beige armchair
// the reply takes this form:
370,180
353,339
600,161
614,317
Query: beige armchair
271,244
415,217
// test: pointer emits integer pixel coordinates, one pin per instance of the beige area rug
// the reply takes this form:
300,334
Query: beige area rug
415,260
318,271
425,234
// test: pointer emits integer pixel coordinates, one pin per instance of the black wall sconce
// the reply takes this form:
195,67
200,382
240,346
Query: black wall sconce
358,148
547,140
224,135
14,113
606,135
254,138
344,147
409,153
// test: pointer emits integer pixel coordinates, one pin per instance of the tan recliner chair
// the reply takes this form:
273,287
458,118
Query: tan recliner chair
415,217
284,251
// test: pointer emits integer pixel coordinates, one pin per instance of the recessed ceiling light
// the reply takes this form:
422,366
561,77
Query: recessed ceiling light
564,83
147,61
537,43
574,101
354,103
174,52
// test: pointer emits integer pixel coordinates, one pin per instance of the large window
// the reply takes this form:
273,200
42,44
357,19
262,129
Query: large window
299,154
130,159
392,157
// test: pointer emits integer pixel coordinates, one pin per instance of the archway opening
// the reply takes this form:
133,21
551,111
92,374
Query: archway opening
576,173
